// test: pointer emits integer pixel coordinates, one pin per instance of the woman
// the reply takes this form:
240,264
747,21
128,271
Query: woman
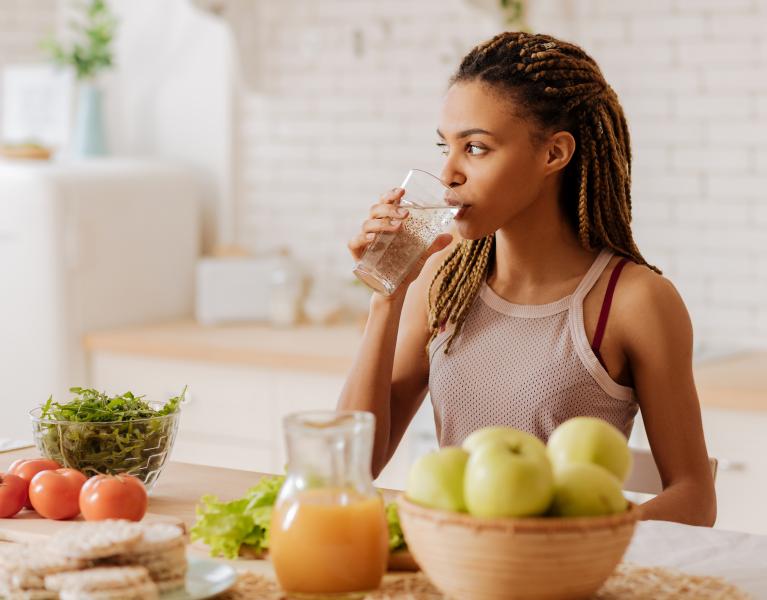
514,311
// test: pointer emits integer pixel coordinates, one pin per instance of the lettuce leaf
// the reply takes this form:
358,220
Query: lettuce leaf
225,526
396,537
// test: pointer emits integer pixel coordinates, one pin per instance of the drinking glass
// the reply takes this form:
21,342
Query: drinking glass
391,255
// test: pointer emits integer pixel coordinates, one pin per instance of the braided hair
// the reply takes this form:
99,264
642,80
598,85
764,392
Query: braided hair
562,89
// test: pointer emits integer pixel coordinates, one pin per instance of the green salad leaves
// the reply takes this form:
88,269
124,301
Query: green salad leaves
93,406
226,526
396,537
97,433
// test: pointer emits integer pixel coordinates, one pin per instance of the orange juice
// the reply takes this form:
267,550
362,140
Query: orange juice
329,541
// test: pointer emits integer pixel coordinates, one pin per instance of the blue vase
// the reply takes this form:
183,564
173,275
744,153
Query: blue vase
88,139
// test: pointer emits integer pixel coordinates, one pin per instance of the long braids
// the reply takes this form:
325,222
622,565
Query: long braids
561,87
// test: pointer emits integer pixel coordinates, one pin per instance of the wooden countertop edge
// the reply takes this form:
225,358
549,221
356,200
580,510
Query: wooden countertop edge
714,390
730,399
220,355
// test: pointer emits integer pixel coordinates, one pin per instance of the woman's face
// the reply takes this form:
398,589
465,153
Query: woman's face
491,161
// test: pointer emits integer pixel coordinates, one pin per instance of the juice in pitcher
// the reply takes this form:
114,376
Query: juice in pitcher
329,536
328,541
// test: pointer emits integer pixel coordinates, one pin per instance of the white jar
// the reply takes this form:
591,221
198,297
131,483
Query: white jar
285,291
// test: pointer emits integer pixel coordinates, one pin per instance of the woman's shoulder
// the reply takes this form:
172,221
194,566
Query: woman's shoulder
640,285
648,307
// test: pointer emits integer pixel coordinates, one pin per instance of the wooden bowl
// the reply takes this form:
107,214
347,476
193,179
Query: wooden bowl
473,558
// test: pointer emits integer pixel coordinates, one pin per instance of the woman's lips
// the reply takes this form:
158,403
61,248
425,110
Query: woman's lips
462,211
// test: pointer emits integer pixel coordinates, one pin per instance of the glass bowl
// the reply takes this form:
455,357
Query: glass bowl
139,447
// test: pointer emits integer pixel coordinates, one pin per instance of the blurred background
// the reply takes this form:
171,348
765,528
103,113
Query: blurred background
176,197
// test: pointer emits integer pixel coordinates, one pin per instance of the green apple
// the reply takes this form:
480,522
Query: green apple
590,440
505,479
586,490
520,439
436,479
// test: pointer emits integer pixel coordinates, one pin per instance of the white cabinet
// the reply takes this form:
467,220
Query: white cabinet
234,414
737,439
84,246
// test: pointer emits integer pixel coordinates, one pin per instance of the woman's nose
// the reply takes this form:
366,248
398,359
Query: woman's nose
451,176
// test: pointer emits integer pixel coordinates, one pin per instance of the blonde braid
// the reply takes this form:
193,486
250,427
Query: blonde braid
473,255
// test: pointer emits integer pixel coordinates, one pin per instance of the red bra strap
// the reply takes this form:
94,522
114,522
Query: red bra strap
603,314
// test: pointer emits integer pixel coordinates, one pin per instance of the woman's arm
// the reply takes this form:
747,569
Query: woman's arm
657,336
368,385
389,376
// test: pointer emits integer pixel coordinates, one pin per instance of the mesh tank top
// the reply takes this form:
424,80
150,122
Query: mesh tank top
524,366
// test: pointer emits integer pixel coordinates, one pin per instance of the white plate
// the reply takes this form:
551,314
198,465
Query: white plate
204,579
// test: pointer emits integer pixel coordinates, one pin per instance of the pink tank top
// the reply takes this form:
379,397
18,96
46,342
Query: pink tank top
524,366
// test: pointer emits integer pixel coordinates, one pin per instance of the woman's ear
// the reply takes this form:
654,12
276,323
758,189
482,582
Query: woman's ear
559,150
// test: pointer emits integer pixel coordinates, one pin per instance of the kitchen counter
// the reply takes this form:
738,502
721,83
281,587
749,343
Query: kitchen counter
736,382
329,349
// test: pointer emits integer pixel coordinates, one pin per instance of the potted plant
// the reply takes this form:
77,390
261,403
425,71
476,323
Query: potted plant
512,14
89,53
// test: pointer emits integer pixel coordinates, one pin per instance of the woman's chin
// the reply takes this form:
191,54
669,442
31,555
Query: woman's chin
469,231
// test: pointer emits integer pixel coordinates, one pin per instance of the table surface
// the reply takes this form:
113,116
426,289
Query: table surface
741,558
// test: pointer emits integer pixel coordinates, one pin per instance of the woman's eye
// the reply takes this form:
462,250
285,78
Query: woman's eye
472,149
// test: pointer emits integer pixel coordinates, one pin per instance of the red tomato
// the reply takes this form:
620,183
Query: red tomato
113,497
27,468
55,494
13,494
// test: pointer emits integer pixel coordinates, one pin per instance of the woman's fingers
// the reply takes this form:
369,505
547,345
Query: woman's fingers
443,241
391,211
381,225
359,243
392,196
385,216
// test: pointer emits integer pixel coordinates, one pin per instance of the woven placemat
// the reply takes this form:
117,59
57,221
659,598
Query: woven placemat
628,582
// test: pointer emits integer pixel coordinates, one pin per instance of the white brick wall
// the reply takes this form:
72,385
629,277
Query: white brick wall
23,24
349,95
711,142
349,99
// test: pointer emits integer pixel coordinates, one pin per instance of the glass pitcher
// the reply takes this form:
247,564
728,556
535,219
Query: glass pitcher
329,537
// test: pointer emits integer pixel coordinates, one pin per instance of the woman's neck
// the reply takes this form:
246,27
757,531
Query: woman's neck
538,257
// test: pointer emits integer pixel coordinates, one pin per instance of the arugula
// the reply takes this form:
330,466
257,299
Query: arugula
96,433
93,406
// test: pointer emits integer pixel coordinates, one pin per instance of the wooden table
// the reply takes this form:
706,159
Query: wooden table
738,557
178,491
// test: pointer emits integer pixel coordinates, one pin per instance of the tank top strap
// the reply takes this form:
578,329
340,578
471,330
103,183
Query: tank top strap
592,275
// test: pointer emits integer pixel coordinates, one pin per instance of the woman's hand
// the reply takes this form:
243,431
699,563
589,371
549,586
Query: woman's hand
387,216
